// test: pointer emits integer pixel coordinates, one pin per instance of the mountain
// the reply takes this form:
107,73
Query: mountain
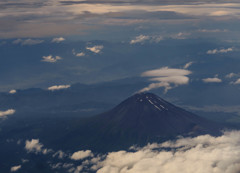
140,119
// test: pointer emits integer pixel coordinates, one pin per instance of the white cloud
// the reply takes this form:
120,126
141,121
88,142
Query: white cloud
237,81
165,77
80,54
33,146
58,87
202,154
165,71
3,114
212,80
28,42
12,91
187,65
140,39
231,75
15,168
95,49
58,40
216,51
51,59
79,155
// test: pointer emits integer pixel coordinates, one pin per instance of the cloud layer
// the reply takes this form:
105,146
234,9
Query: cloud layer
202,154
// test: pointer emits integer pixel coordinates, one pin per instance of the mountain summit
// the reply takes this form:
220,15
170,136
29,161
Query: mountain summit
140,119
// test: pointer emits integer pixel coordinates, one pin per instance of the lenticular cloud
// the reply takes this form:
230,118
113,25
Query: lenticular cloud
202,154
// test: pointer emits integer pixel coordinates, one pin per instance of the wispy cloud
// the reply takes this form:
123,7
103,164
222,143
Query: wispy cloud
216,51
58,39
28,42
95,49
58,87
140,39
4,114
188,65
51,58
15,168
166,77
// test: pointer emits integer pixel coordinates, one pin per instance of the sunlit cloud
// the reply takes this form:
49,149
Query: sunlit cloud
166,77
237,82
12,91
188,65
216,51
15,168
79,155
58,87
205,153
212,80
4,114
58,40
95,49
139,39
51,58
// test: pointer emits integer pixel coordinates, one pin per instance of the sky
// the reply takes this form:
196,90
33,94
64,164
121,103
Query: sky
186,50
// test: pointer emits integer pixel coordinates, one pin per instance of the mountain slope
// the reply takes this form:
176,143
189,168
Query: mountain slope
140,119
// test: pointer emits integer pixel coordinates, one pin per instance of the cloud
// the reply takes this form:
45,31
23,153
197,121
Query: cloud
58,40
165,71
78,54
212,80
15,168
165,77
12,91
95,49
231,75
203,153
33,146
212,30
79,155
60,154
237,81
51,59
220,13
216,51
58,87
139,39
28,42
187,65
3,114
